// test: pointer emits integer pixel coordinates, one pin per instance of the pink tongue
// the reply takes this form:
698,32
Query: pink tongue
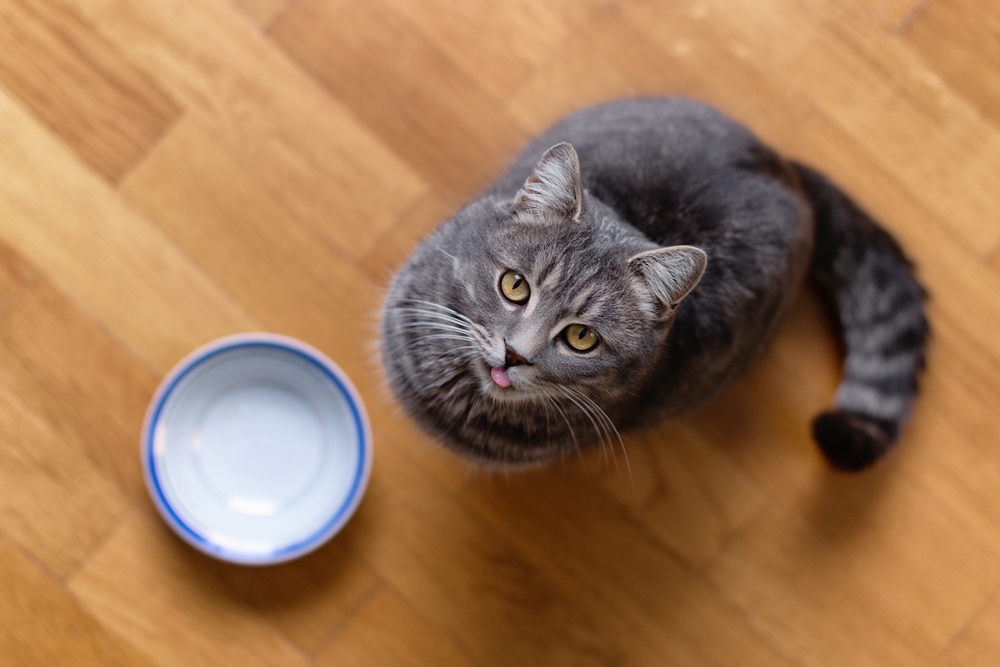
499,376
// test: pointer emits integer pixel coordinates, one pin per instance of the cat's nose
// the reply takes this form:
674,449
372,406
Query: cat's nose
512,358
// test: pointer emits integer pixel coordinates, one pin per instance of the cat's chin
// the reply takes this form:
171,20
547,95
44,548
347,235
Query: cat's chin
513,395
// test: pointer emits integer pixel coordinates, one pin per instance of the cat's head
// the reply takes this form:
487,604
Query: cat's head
520,325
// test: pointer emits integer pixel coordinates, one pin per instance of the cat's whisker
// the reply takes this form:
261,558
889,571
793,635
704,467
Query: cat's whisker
471,352
572,433
439,306
426,312
610,424
548,426
443,336
435,325
601,436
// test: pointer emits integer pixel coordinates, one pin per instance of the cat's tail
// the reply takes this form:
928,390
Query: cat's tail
880,306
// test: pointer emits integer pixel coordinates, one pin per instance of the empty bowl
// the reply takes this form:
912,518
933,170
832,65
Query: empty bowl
256,449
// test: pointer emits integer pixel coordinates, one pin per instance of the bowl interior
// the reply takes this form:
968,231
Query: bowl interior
258,451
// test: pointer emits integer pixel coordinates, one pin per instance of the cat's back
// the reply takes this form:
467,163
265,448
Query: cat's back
672,167
649,139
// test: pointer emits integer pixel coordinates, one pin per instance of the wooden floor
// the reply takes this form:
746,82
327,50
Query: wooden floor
175,170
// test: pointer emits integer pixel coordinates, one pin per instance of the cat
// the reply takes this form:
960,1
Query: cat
636,260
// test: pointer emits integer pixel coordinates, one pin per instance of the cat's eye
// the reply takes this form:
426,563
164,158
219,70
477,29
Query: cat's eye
515,287
580,337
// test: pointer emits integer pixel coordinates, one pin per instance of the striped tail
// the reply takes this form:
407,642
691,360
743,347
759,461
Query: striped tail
882,325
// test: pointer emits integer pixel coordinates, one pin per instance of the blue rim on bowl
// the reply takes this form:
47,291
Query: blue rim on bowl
339,380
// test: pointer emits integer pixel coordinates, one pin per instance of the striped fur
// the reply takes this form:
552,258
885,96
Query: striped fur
882,322
609,217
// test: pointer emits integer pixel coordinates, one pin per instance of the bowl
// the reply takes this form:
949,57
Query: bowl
256,449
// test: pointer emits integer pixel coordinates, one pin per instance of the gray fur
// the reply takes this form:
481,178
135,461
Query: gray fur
662,200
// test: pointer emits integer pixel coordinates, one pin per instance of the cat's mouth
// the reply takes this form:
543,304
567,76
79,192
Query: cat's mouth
501,377
502,384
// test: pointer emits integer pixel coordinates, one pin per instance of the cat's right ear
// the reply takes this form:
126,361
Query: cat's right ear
553,189
670,273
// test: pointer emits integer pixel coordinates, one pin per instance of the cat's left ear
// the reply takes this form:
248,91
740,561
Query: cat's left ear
670,273
553,187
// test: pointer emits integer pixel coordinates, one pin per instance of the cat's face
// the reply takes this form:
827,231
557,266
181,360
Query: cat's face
554,309
519,330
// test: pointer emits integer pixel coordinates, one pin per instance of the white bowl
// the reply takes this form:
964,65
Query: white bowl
256,449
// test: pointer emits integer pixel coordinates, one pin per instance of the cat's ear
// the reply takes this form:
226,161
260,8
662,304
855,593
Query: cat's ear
553,187
670,273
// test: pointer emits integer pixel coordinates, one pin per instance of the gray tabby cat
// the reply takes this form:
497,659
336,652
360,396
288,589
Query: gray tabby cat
640,265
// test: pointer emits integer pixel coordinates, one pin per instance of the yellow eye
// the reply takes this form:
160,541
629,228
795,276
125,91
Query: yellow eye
515,287
580,337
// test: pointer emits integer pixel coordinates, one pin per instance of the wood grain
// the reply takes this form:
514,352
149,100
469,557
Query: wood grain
877,106
959,41
608,559
82,505
70,372
177,170
309,599
131,276
793,587
84,91
262,12
893,15
42,624
690,495
313,153
385,631
496,44
434,114
156,592
477,589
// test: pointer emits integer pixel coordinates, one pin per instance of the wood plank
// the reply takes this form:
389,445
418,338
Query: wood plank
893,15
978,644
690,64
156,592
15,273
826,56
496,44
762,422
42,624
113,262
418,101
386,631
108,111
475,588
958,40
262,12
953,437
53,501
396,246
249,241
580,76
68,371
309,599
685,490
806,596
311,151
656,608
